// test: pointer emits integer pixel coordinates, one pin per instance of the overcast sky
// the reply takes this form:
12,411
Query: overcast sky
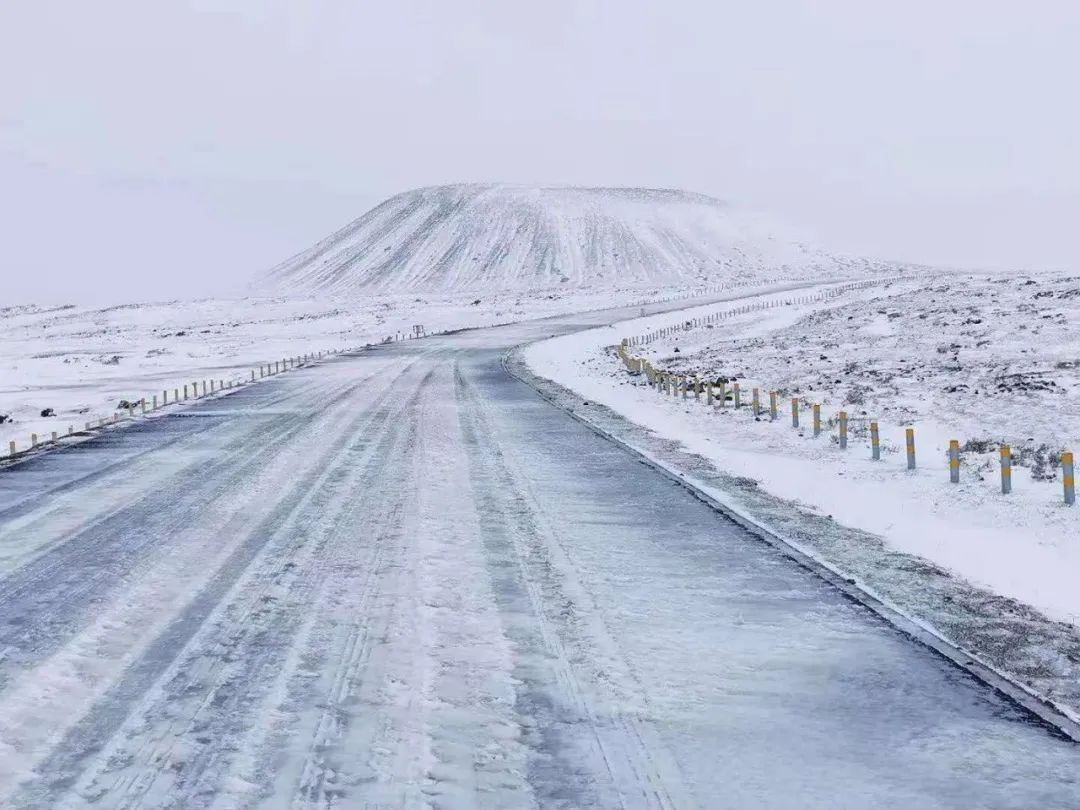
176,148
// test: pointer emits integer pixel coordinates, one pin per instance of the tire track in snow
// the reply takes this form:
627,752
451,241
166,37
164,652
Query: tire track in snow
55,595
108,714
587,752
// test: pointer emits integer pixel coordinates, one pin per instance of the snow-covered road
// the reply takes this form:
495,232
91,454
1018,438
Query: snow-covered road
402,579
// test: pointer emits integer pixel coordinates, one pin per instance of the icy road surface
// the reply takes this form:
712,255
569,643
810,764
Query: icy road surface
401,579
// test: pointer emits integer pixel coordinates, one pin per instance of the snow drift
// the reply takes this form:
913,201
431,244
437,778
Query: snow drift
494,237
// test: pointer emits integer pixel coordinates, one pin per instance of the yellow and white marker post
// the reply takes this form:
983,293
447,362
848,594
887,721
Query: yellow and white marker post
772,405
756,399
875,442
909,441
817,419
843,430
1006,469
795,412
954,461
1067,480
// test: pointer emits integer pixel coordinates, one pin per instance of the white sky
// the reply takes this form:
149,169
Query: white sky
158,149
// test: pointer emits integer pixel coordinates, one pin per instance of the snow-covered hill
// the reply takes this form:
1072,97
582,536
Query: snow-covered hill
495,237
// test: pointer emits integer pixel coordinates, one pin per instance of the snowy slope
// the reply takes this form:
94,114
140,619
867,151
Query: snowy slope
496,237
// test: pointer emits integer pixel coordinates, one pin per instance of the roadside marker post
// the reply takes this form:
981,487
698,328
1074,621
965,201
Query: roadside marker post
795,412
738,395
185,391
11,447
153,404
875,442
708,394
843,430
54,436
954,461
909,441
723,394
33,440
772,405
1006,469
817,420
697,387
685,387
756,399
1067,479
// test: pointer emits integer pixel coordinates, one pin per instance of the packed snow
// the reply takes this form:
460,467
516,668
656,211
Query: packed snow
497,237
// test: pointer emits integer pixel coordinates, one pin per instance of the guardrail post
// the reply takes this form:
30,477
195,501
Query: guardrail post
1067,480
142,403
154,403
875,442
756,399
11,447
909,441
131,411
1006,469
54,436
33,440
954,461
685,386
794,412
708,393
772,405
697,387
843,430
817,419
185,391
176,395
723,394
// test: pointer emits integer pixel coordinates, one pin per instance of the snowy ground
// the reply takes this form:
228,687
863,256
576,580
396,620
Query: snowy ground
400,578
1022,546
82,362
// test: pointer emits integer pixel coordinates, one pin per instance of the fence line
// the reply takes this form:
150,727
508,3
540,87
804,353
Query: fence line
661,380
210,387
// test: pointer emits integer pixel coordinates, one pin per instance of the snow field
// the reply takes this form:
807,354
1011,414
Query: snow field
1017,545
82,362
